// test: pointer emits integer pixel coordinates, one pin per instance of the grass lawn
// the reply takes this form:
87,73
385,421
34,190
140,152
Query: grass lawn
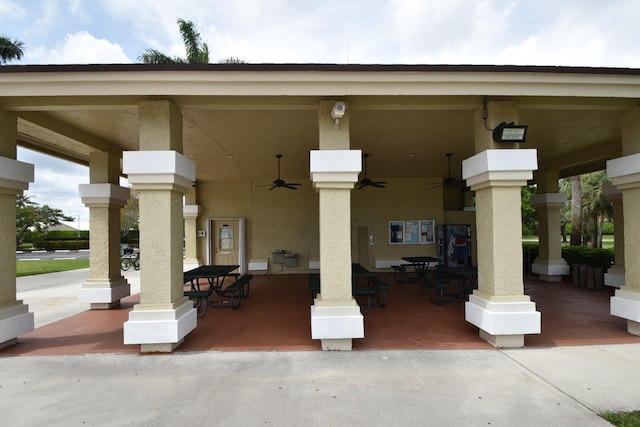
623,419
28,268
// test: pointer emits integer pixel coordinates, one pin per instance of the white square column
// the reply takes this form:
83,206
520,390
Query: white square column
335,315
106,286
549,265
191,212
624,173
15,318
499,306
162,176
614,277
164,316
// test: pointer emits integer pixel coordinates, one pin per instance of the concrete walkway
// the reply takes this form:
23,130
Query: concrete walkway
565,386
54,296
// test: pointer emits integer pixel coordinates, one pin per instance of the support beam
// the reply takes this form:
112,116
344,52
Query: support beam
161,176
335,315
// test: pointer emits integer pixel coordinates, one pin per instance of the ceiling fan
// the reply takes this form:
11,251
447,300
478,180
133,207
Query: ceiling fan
280,182
450,180
366,181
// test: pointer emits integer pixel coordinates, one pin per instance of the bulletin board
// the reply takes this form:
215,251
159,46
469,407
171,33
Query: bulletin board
414,232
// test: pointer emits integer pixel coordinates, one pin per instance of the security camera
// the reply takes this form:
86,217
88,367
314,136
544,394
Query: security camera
338,110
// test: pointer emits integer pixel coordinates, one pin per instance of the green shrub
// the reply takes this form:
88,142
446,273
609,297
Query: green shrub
595,257
52,245
607,228
66,235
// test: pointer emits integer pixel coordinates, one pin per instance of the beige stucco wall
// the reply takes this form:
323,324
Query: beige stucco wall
286,219
403,200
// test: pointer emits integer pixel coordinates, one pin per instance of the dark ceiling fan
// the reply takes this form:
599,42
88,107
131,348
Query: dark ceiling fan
280,182
366,182
450,180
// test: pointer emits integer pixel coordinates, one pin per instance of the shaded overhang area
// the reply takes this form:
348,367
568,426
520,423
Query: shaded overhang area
240,115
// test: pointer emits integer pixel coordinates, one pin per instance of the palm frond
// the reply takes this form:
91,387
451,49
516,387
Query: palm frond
152,56
197,51
10,49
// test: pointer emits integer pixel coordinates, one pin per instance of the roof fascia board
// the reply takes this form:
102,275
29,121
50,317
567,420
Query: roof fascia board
316,83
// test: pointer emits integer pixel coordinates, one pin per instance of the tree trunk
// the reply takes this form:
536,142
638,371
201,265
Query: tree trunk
576,211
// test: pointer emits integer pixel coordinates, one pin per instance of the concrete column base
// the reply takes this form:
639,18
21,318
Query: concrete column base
550,270
337,345
336,325
104,293
502,322
626,304
15,320
633,327
8,343
160,330
503,341
614,277
159,348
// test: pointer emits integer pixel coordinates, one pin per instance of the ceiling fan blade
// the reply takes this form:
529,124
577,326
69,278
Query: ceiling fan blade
272,187
290,187
379,185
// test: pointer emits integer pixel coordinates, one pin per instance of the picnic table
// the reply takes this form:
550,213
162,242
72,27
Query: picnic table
228,297
420,265
465,276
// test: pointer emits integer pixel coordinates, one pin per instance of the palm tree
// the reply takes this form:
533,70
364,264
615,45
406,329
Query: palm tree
232,60
197,51
10,49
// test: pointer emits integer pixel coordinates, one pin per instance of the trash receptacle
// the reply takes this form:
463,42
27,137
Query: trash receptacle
278,256
290,260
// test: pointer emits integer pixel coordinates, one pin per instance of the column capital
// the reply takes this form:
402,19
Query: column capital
190,211
624,172
548,200
499,168
103,195
164,169
15,175
335,168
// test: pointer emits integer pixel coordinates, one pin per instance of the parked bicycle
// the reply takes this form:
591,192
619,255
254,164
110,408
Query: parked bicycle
130,260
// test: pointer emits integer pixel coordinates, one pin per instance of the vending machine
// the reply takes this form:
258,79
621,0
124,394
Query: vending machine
454,245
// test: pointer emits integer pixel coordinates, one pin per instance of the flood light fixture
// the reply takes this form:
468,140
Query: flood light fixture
510,132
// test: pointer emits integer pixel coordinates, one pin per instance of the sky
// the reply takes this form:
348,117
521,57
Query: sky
594,33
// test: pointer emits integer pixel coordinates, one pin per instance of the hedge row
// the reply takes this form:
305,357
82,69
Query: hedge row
52,245
595,257
66,235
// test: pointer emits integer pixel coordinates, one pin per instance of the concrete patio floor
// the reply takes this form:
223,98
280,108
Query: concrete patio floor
276,318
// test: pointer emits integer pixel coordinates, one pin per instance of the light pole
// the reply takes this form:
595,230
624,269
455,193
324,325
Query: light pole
78,227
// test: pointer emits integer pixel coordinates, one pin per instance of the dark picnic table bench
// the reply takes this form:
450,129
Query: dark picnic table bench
215,275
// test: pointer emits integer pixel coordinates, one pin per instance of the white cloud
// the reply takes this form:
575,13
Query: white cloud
56,182
80,48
